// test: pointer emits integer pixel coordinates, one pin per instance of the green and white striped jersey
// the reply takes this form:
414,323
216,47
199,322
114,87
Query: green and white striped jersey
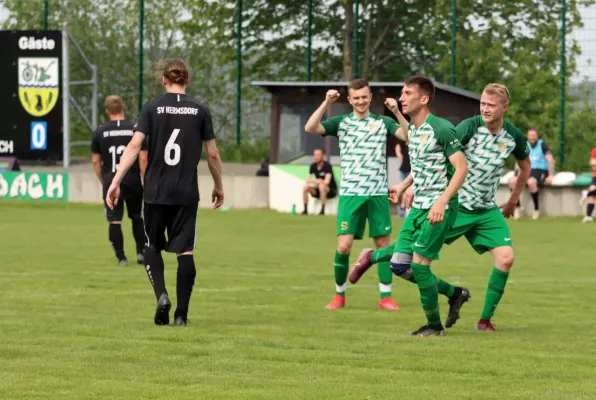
486,155
363,152
430,146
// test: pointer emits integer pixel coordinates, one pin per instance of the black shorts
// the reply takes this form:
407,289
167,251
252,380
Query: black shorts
316,193
134,204
538,174
180,223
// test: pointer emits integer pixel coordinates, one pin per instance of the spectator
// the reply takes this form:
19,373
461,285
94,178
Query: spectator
401,152
543,170
320,182
590,194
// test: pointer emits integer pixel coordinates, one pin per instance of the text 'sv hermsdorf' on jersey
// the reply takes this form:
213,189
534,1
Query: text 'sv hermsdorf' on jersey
175,126
109,140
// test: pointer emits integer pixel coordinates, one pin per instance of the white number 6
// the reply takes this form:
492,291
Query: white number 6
171,146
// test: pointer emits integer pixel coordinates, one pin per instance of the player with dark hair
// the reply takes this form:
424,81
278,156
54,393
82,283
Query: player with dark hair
107,144
363,190
438,169
176,126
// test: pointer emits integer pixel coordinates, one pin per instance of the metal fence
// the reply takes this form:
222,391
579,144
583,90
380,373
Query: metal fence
541,49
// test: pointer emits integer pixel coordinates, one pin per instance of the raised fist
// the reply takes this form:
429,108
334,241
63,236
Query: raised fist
331,96
391,104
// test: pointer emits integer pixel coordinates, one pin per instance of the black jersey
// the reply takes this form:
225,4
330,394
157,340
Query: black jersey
325,169
110,140
175,126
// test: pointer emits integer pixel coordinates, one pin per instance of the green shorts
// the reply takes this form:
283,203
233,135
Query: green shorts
418,236
353,211
485,229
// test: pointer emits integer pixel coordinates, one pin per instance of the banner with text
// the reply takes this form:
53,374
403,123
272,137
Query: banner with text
34,186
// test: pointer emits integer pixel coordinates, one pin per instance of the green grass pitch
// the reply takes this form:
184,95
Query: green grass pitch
74,325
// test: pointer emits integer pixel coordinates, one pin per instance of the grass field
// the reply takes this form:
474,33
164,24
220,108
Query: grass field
75,326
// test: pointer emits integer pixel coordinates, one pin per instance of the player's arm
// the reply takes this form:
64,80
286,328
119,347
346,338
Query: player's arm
214,163
398,153
397,191
143,159
455,153
213,158
548,154
328,174
143,163
314,125
402,131
96,156
96,162
312,170
458,160
525,167
129,156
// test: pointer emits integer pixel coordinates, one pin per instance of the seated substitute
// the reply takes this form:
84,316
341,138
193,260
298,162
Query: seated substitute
320,182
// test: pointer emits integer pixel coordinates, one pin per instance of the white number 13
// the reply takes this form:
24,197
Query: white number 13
171,146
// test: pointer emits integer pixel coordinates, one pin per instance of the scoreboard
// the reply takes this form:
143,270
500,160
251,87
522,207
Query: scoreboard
31,95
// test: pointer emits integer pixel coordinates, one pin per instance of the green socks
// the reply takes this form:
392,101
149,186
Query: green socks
494,292
385,278
341,265
429,295
382,255
445,288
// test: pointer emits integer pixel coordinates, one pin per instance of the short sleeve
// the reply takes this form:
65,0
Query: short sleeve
521,151
390,124
546,148
465,130
312,169
446,137
143,123
207,132
331,125
95,147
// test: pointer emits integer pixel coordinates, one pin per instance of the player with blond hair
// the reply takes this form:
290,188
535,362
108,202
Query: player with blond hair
488,140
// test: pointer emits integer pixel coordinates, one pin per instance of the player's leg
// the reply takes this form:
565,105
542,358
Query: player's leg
464,223
369,257
351,222
533,181
306,190
591,194
134,206
426,248
379,227
153,218
400,256
182,227
492,234
114,217
323,192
